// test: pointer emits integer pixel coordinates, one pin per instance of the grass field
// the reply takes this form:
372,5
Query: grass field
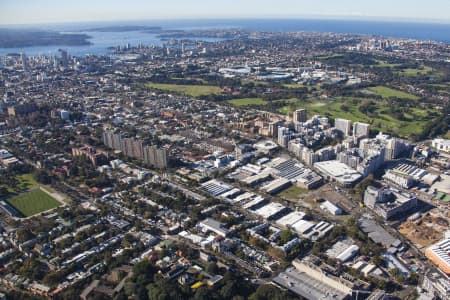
26,182
335,55
33,202
441,85
416,119
247,102
386,92
382,64
292,193
190,90
296,86
415,72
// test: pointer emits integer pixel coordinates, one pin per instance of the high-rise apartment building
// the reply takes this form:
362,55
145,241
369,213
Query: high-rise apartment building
157,157
361,129
343,125
300,115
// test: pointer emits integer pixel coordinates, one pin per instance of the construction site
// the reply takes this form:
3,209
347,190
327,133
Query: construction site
425,229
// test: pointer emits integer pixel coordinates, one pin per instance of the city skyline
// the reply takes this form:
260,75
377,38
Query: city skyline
50,11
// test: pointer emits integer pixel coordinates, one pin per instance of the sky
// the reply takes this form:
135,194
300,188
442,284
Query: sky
60,11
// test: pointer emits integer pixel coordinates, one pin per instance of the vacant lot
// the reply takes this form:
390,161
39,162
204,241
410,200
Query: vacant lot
247,101
292,193
33,202
190,90
386,92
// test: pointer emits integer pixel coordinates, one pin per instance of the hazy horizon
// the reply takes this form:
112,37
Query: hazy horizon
22,12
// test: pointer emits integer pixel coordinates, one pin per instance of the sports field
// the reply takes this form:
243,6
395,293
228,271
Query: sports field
247,101
33,202
386,92
190,90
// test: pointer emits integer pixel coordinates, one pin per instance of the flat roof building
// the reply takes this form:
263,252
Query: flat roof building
214,226
439,254
334,170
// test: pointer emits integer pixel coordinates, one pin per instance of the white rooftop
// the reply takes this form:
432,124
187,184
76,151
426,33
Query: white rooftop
291,218
270,210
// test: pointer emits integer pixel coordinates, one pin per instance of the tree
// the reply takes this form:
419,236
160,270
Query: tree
212,268
164,290
270,292
3,191
257,243
413,278
286,236
202,293
228,290
42,176
24,234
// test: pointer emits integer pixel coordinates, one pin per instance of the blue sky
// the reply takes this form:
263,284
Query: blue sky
49,11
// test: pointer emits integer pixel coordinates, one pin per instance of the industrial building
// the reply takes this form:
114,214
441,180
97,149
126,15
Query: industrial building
343,250
331,208
313,279
439,255
215,187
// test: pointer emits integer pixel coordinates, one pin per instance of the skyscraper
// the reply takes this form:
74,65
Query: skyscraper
24,59
64,58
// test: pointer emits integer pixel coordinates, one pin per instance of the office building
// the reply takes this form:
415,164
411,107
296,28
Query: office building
388,202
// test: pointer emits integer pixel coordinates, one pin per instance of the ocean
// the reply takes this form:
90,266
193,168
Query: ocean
101,41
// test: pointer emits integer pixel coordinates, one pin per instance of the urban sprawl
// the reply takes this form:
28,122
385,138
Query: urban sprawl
260,166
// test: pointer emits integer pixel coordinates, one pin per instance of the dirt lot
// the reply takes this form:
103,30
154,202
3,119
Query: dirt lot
329,192
426,230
